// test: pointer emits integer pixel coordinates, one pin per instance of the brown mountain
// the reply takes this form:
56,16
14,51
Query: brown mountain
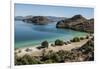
39,20
77,22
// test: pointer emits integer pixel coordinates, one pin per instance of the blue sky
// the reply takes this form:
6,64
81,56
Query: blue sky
46,10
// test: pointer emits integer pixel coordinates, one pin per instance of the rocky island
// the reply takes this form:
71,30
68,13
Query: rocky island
77,22
39,20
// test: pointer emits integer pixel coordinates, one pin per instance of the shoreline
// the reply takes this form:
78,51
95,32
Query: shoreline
34,51
54,40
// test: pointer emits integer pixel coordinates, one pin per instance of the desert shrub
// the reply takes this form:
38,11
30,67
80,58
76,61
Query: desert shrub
48,61
68,42
45,44
65,43
75,39
81,38
19,51
93,38
16,48
51,57
26,60
52,45
61,55
54,57
43,52
28,50
74,55
59,42
87,37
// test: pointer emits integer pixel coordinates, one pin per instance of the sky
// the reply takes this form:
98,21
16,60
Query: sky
47,10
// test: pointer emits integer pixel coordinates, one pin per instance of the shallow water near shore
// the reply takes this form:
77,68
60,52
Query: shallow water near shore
27,34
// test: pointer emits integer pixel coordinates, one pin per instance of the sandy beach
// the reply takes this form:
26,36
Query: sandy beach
33,51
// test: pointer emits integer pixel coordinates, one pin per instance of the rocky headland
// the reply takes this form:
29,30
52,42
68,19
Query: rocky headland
77,22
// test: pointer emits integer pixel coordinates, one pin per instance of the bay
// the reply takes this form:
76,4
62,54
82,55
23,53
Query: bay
27,34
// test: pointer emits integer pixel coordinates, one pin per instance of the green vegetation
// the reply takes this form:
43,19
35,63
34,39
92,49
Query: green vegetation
59,42
16,48
19,51
27,50
26,60
45,44
52,45
84,53
87,37
75,39
81,38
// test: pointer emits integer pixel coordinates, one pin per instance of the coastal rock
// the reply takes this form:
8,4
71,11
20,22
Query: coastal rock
77,22
42,20
39,20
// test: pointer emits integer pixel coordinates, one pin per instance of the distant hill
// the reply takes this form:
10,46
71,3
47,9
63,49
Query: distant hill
39,19
77,22
19,17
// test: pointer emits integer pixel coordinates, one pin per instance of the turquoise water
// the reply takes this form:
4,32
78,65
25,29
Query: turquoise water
27,34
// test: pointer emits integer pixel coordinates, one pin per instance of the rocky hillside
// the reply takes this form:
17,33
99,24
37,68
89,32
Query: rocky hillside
77,22
41,20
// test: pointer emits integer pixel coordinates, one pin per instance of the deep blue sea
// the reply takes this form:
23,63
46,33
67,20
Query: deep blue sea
27,34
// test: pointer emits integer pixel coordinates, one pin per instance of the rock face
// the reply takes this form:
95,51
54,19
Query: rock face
40,20
77,22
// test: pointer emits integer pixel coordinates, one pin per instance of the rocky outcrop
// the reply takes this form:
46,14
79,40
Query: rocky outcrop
77,22
40,20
